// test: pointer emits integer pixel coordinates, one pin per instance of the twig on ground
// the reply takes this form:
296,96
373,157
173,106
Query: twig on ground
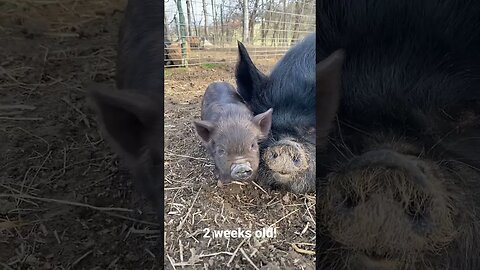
258,186
180,226
294,211
235,252
24,196
248,259
81,258
185,156
21,118
301,250
181,250
172,262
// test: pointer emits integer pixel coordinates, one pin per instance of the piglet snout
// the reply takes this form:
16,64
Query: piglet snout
241,171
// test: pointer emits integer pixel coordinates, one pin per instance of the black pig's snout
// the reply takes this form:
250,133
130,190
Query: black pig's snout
391,160
287,157
397,202
241,171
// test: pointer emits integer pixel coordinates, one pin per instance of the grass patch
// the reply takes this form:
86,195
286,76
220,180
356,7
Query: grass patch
210,65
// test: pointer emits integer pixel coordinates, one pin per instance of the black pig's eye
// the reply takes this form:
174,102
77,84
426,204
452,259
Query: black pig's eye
220,151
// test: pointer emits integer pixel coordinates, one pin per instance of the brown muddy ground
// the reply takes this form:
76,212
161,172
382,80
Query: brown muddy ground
65,200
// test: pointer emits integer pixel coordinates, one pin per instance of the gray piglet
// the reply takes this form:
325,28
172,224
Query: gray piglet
231,132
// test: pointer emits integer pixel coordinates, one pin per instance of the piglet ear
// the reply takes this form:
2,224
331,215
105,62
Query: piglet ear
264,121
204,130
328,86
128,118
249,78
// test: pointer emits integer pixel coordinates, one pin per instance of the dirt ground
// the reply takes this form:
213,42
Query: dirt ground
65,200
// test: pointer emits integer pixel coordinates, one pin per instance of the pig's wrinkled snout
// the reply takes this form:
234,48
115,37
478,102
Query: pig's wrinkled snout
396,201
285,159
241,171
391,160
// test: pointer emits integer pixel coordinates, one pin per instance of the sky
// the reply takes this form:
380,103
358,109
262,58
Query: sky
171,9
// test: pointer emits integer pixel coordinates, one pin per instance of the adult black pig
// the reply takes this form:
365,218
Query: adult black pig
132,117
288,159
400,176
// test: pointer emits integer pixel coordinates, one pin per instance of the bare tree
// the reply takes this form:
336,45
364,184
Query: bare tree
267,22
205,16
251,22
177,28
165,29
182,32
194,21
214,18
222,24
245,20
284,34
262,27
268,17
299,6
189,18
278,19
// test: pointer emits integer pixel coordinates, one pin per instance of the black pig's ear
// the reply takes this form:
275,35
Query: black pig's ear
264,121
130,119
328,84
204,130
249,78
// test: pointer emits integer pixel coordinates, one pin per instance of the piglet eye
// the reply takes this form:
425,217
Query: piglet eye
220,151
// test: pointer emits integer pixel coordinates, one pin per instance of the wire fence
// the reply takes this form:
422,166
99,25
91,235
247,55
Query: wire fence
206,31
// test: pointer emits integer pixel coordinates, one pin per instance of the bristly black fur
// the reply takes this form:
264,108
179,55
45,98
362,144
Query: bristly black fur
140,49
411,77
289,88
131,117
403,56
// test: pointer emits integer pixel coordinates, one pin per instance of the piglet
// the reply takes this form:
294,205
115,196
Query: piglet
231,133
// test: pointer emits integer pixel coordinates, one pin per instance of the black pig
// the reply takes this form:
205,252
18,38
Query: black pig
399,177
231,133
132,117
288,158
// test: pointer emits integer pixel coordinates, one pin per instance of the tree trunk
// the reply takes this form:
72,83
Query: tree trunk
263,23
222,23
298,12
182,32
165,29
277,32
193,17
214,19
189,18
205,17
251,23
245,20
284,34
177,27
269,20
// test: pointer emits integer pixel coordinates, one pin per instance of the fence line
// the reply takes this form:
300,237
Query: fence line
201,32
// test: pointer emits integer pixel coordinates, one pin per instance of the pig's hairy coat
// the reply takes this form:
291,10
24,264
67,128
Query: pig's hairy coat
411,84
